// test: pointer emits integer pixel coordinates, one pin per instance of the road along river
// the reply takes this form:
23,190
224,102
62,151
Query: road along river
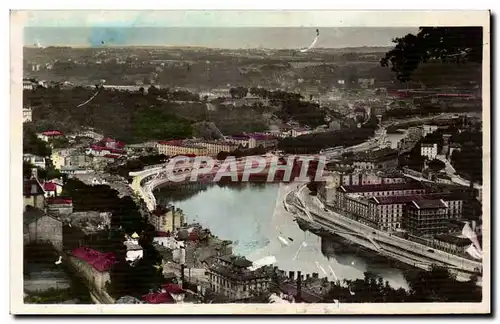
253,217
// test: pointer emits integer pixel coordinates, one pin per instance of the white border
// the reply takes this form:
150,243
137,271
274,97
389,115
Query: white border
413,19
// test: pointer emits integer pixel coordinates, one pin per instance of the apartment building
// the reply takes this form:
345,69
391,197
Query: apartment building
215,147
429,150
27,115
180,147
231,277
426,217
253,140
166,219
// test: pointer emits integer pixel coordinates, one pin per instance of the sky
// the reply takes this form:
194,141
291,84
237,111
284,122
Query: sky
215,37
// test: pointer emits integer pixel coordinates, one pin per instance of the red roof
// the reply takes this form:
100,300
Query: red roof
173,288
59,201
52,133
158,298
49,186
99,261
172,142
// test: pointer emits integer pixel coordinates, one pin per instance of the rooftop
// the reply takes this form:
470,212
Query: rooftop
100,261
240,262
239,274
158,298
389,200
32,214
52,133
414,185
429,204
59,201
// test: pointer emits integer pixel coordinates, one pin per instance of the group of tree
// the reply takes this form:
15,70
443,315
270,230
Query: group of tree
238,92
34,145
102,198
313,143
457,45
129,116
137,164
468,161
170,94
436,285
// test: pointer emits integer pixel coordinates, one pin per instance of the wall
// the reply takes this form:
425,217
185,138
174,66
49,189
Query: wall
37,201
91,275
46,229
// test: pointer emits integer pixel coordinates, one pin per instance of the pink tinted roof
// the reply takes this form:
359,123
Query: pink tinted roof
99,261
59,200
49,186
158,298
173,288
52,133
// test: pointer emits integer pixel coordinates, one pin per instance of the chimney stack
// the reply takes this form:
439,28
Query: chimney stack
291,275
308,276
299,286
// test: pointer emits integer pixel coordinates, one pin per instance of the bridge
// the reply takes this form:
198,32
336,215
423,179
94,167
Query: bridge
145,181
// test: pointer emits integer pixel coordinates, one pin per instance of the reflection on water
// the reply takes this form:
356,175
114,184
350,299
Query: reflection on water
253,217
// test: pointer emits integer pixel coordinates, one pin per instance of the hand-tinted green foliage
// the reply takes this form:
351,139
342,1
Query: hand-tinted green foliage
125,212
437,285
33,145
448,44
313,143
129,116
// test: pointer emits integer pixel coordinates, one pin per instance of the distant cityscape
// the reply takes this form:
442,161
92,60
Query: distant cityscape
100,126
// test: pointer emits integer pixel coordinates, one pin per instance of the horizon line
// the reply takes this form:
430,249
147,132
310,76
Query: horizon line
193,46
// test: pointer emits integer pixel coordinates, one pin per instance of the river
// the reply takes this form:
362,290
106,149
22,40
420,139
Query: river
252,216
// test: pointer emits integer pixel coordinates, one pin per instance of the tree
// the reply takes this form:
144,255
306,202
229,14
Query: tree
27,169
238,92
33,145
447,44
436,165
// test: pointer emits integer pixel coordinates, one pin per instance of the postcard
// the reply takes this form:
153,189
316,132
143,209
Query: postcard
250,162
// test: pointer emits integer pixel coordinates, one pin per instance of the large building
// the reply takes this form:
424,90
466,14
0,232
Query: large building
387,212
429,150
254,140
27,115
429,129
426,217
343,175
215,147
42,228
180,147
231,277
50,134
33,194
37,161
166,219
385,158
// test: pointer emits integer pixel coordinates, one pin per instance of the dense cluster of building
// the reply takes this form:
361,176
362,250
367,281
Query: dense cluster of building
201,147
397,204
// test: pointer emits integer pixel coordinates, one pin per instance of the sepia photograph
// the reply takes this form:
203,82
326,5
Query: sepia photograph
250,162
